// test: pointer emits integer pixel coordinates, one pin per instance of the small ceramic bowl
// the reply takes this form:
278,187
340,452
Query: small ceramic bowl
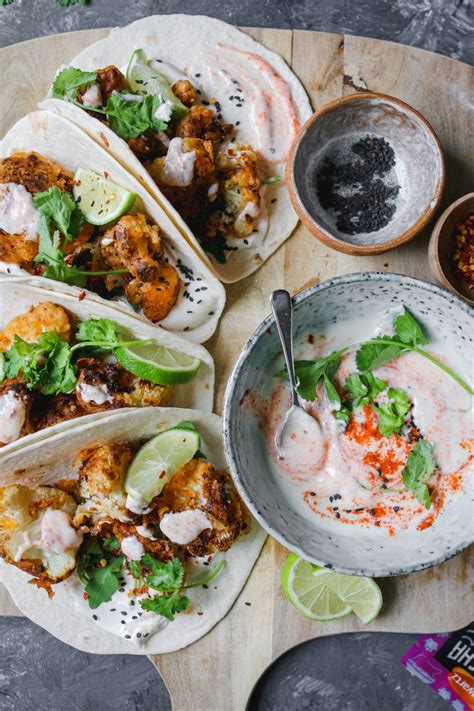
346,548
419,168
442,247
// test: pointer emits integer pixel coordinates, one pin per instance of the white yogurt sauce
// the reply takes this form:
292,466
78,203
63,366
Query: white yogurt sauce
178,168
300,442
129,97
146,532
164,111
137,506
92,97
57,533
12,417
23,547
94,393
132,547
18,215
184,526
356,462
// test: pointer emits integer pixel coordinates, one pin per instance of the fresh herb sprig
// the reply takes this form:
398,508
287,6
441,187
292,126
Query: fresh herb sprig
47,364
167,579
418,470
60,215
100,568
127,117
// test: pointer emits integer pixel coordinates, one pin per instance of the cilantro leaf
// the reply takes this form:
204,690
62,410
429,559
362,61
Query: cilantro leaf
373,354
135,568
409,330
130,118
418,470
61,208
45,364
343,414
166,605
392,414
98,330
273,179
216,246
100,581
310,372
69,81
165,577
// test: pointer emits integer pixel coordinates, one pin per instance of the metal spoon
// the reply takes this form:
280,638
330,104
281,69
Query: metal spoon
296,419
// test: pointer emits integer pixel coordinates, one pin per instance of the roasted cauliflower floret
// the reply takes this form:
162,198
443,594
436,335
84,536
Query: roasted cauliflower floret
34,172
202,122
50,410
198,486
36,532
110,79
16,402
188,194
185,92
239,185
159,548
147,146
156,298
108,386
133,244
18,249
39,319
101,485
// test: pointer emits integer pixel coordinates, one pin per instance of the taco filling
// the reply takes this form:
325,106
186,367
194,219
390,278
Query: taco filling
84,230
54,368
182,139
133,565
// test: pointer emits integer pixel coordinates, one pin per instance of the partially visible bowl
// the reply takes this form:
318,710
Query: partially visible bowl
419,168
442,247
351,549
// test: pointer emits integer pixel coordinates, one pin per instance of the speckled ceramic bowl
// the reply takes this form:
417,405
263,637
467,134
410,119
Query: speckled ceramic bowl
349,549
419,168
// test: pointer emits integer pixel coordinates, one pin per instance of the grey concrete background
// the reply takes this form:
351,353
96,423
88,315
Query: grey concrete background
349,673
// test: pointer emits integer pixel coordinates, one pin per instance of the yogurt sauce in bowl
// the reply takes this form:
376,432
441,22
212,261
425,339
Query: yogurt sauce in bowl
345,502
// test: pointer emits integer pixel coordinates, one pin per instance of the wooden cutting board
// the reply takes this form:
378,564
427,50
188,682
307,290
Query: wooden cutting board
218,672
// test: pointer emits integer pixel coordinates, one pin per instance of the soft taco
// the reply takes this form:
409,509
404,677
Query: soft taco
123,523
204,116
70,212
64,358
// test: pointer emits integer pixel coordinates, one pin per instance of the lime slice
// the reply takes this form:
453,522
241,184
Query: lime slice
308,592
148,82
323,595
101,200
158,460
158,364
363,595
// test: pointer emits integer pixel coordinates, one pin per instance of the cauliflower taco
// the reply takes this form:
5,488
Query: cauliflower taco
205,117
63,358
70,212
122,524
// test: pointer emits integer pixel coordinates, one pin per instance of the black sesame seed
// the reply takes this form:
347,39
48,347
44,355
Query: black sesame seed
338,515
248,604
396,508
94,617
127,636
123,613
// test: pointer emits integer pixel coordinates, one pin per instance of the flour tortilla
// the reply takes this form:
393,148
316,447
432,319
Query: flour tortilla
64,143
59,616
17,295
178,41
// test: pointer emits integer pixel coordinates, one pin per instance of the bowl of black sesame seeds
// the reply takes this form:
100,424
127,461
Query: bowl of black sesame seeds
366,173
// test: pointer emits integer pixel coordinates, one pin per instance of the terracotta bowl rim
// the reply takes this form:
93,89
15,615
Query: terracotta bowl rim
310,222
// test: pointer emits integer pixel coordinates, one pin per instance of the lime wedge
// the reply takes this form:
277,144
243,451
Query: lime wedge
158,460
148,82
308,592
101,200
323,595
158,364
363,595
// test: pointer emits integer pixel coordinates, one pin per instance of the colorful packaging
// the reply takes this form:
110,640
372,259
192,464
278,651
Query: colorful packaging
446,663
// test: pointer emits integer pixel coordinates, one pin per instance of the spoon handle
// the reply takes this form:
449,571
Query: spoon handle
283,312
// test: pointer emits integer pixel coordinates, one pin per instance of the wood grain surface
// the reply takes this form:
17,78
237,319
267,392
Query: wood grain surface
218,672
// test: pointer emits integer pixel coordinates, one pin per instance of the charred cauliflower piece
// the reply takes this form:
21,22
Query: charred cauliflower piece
198,486
133,244
156,298
239,190
36,533
34,172
202,122
159,548
185,92
39,319
108,386
101,485
50,410
110,79
16,402
189,194
18,249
